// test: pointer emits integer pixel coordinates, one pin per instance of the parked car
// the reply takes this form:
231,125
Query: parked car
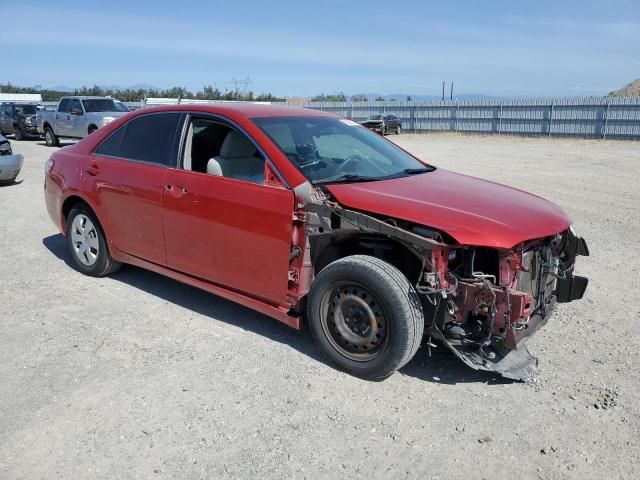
10,163
77,117
294,212
383,124
18,119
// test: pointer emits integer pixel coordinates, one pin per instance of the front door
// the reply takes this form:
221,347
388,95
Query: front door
227,226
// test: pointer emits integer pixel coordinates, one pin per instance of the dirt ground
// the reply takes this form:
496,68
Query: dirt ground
137,376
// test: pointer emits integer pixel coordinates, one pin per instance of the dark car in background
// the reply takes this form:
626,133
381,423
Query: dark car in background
18,119
383,124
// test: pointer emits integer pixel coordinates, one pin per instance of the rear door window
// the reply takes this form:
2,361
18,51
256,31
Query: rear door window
149,138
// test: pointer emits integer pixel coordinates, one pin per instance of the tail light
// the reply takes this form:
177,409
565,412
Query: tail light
48,165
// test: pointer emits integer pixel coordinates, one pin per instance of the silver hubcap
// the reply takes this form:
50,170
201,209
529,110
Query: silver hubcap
84,238
48,135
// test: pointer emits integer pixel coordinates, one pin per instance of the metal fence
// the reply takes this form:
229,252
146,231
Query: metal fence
589,117
606,117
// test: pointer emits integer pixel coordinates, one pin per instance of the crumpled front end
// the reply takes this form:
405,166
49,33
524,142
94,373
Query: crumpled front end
494,300
481,302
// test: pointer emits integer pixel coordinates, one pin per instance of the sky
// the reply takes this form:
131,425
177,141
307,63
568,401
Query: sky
302,48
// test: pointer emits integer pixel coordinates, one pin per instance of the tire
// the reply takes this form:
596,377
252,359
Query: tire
398,129
383,130
50,138
17,133
87,244
92,129
387,321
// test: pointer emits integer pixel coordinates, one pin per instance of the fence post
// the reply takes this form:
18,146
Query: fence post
500,120
606,121
457,114
550,119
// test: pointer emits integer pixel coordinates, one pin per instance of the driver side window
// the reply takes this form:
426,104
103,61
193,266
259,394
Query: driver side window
214,148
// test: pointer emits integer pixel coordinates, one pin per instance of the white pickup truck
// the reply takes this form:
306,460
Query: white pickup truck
77,117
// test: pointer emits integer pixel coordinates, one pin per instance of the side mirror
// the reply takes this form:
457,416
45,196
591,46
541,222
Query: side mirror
75,111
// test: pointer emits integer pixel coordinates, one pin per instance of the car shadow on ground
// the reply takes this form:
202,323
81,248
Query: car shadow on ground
10,183
60,145
441,367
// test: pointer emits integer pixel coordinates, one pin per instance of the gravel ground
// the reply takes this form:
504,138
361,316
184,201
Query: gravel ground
137,376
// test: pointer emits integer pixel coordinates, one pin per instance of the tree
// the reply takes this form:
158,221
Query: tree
334,97
408,98
380,98
359,97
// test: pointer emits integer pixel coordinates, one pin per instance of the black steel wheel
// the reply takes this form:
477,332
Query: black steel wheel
354,321
365,316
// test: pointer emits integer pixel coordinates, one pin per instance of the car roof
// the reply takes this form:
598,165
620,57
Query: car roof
89,97
249,110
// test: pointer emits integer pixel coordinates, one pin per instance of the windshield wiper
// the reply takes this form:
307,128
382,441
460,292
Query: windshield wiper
413,171
346,178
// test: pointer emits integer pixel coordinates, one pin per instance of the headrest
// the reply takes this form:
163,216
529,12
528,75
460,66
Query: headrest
236,145
214,168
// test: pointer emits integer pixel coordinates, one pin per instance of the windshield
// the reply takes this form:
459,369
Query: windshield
26,110
102,105
374,117
332,149
122,107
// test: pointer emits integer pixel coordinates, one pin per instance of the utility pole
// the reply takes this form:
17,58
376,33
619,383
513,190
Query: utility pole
240,86
451,92
443,90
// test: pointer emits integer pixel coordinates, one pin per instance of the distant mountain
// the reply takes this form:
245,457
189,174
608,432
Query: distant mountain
117,88
137,86
630,90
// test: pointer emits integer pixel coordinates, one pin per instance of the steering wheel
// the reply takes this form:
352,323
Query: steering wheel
355,158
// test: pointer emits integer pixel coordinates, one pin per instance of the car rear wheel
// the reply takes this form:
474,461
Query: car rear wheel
365,316
398,130
17,133
88,245
50,138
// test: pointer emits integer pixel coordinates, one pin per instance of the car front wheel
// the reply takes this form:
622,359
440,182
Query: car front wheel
87,243
365,316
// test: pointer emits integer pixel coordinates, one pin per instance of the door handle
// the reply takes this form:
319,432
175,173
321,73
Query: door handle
177,191
92,170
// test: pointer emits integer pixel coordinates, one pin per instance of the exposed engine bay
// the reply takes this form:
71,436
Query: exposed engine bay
482,303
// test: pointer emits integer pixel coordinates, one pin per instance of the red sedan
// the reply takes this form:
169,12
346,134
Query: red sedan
303,214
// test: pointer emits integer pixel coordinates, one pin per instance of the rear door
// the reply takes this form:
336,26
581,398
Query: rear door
127,173
61,118
233,232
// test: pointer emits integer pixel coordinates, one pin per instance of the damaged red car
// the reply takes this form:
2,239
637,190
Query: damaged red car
306,216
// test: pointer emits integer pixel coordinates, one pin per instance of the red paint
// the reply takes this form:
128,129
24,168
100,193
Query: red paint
234,238
473,211
229,232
